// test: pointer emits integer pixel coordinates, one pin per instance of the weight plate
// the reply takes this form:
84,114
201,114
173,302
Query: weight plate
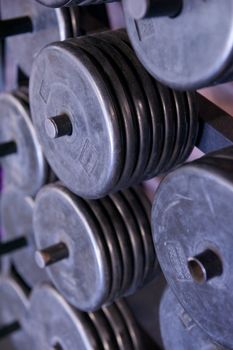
109,236
133,328
14,306
182,128
124,242
16,213
144,230
135,239
122,104
146,206
169,126
119,327
190,58
84,277
178,329
192,103
54,324
121,41
120,81
60,3
26,169
21,49
104,330
186,222
136,91
88,161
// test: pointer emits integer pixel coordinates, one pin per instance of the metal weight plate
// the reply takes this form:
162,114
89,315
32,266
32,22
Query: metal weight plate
141,131
88,159
121,42
54,324
13,306
192,240
144,230
135,128
192,105
61,3
124,242
141,117
104,330
16,213
21,49
22,160
178,329
133,328
111,61
122,103
182,127
169,112
190,58
135,240
83,276
119,327
110,237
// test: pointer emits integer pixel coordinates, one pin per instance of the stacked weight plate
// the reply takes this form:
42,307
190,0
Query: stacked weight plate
22,161
192,221
104,123
105,246
54,324
199,55
14,306
27,26
18,239
61,3
178,329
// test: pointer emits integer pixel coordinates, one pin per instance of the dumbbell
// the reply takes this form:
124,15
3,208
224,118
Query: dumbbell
21,157
61,3
27,27
186,44
14,307
191,222
18,239
94,251
104,123
178,329
54,324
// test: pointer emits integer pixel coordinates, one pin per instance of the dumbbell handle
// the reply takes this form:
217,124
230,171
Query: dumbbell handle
7,148
15,26
14,244
9,329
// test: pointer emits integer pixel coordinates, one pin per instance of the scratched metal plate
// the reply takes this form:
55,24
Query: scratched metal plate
190,58
54,324
26,169
88,161
178,329
16,214
14,306
191,213
49,25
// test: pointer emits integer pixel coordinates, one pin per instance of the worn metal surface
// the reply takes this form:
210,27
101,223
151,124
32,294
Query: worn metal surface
25,169
16,218
53,323
96,257
121,133
178,329
191,216
48,25
14,306
61,3
190,58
